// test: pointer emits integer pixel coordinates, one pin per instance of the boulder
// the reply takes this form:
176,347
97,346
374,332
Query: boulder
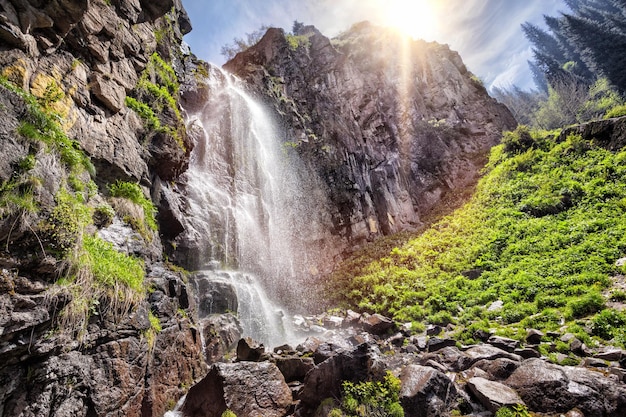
493,395
503,343
377,324
248,350
426,392
554,389
325,379
245,388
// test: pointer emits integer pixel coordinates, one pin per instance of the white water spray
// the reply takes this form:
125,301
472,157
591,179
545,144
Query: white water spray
247,211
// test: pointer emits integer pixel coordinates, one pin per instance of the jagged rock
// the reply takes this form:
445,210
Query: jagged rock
325,379
489,352
294,368
436,343
426,392
493,395
553,389
222,333
232,386
377,324
248,350
611,355
451,357
534,336
527,353
500,368
610,133
382,172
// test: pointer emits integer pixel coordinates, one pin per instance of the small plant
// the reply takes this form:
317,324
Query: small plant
379,398
517,410
228,413
133,192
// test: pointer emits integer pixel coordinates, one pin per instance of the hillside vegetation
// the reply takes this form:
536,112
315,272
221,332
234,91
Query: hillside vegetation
541,235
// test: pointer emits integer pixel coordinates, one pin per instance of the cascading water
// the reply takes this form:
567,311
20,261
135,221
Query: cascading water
247,211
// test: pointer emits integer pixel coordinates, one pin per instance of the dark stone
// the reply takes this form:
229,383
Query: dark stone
248,350
231,386
503,343
435,343
294,368
426,392
534,336
377,324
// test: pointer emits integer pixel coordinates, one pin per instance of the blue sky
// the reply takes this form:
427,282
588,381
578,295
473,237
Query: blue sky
486,33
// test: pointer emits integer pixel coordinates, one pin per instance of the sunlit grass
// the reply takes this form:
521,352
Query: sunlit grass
541,234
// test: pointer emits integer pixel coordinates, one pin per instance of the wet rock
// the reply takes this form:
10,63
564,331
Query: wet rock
250,351
493,395
325,379
371,194
222,333
294,368
232,386
426,392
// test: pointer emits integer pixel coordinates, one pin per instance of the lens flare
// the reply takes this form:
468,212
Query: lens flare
415,18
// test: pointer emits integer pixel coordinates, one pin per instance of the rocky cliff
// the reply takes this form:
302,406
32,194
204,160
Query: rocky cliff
395,128
93,322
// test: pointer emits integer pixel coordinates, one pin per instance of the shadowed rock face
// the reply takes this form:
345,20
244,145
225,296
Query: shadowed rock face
92,53
393,127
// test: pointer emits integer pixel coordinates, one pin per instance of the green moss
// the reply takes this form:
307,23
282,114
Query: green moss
134,193
145,112
156,93
297,41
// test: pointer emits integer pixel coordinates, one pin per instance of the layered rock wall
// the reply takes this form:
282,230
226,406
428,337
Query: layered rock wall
395,128
67,135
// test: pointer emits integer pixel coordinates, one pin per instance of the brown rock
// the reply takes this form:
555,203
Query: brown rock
232,386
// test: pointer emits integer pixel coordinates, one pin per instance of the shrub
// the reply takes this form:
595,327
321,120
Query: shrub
617,111
379,398
587,304
610,323
517,410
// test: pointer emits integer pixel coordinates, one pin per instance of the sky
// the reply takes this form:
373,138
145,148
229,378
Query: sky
486,33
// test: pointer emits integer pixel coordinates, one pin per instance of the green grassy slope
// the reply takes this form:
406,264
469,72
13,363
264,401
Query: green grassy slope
541,234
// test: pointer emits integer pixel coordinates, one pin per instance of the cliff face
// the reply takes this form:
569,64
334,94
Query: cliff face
76,339
395,128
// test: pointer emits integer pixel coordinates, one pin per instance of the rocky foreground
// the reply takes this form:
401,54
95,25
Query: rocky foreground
438,377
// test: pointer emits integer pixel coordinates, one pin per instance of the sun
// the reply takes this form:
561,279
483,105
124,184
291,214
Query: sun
415,18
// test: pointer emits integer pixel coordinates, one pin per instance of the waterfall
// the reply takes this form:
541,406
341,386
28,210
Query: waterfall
248,212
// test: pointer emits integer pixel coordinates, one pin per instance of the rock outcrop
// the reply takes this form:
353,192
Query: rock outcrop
90,344
395,128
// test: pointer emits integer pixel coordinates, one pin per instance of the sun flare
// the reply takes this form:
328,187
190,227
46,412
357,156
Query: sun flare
415,18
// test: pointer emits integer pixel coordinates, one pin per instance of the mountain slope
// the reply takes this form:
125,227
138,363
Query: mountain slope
541,237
